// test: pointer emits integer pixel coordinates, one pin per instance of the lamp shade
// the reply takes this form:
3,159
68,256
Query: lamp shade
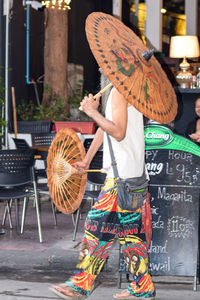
184,46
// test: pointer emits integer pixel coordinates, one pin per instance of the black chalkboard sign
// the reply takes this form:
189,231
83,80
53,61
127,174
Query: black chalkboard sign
173,164
174,189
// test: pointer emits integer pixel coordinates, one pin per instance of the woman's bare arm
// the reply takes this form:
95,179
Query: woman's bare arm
117,127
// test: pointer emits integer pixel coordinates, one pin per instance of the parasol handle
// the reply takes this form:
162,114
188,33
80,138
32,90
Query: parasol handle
100,92
96,170
88,170
103,90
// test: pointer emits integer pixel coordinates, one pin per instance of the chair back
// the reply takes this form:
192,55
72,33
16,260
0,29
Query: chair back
21,144
42,139
16,167
87,142
97,178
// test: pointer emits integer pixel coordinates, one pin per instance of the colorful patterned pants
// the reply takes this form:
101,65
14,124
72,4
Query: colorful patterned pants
104,223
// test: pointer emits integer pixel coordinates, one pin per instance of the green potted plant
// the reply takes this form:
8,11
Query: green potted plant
28,123
77,120
41,118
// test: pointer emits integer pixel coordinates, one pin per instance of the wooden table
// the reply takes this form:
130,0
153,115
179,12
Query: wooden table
40,147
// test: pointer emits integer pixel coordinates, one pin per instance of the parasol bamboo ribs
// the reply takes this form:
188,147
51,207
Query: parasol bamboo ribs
66,188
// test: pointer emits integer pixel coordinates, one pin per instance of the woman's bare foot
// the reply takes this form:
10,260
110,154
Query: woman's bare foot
126,296
123,295
65,290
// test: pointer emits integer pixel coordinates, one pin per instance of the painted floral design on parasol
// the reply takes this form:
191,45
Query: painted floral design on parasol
66,188
121,55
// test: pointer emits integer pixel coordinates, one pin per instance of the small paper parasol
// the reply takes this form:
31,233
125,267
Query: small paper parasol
130,67
66,188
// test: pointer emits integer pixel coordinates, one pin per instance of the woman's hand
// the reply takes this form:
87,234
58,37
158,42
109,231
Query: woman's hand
195,137
89,104
80,167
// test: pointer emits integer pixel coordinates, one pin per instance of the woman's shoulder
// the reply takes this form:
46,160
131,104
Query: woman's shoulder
118,98
194,121
191,127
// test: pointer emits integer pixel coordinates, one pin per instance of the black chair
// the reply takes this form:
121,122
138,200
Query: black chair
87,142
42,188
21,144
43,139
95,181
17,181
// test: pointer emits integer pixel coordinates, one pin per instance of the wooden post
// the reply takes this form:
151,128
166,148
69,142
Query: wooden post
14,111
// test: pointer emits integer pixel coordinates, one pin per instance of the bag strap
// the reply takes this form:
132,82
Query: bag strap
114,163
116,174
115,170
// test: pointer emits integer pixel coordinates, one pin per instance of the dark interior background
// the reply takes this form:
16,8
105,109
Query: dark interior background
79,51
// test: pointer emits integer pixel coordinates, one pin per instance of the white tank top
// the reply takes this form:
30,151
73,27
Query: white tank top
129,153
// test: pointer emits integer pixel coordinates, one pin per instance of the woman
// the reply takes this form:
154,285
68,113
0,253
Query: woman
106,220
193,128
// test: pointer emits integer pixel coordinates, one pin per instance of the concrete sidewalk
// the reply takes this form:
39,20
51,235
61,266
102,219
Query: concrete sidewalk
18,290
24,262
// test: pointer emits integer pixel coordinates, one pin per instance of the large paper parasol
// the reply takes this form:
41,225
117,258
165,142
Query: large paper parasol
124,60
66,188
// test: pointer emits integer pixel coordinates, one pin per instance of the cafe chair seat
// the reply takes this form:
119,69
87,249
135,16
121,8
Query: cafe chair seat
17,182
39,139
21,144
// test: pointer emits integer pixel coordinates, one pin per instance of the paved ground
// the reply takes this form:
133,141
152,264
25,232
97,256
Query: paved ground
28,268
20,290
